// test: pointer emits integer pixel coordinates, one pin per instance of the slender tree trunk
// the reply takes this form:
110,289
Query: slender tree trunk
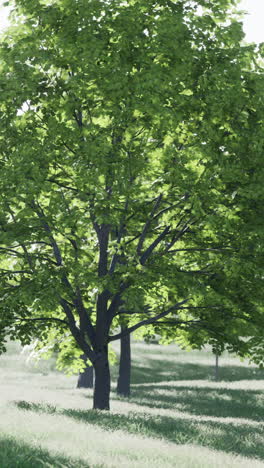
101,398
85,379
123,383
216,367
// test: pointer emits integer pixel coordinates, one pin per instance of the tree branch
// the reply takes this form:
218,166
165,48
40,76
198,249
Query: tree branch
195,272
168,208
12,251
42,319
135,312
200,250
119,237
10,272
103,238
57,254
85,322
147,225
132,240
68,148
116,302
176,322
152,246
53,181
129,330
27,255
177,236
79,338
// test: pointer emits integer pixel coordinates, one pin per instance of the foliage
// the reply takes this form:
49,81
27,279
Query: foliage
63,348
129,134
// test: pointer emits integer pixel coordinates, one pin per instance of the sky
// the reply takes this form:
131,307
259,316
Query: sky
253,22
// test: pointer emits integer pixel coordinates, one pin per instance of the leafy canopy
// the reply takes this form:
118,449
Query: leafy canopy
125,163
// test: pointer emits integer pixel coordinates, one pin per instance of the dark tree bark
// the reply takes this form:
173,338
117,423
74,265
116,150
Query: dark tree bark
85,379
216,367
123,383
101,399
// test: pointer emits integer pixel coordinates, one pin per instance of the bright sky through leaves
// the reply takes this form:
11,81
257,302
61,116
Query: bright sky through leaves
253,22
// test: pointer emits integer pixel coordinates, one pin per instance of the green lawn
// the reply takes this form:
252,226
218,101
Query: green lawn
177,415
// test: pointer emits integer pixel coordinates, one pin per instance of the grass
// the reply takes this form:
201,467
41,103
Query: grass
177,415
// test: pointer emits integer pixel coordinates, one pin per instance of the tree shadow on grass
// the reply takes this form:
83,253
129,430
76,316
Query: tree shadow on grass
205,401
239,439
159,370
17,454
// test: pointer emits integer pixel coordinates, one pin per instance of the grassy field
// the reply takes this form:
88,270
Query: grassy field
177,415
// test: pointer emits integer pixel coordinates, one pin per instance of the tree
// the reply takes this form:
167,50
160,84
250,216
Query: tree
86,377
123,382
112,138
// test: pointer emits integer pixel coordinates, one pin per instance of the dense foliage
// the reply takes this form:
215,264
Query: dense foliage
130,175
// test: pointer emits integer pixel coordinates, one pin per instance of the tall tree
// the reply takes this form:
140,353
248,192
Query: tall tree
114,122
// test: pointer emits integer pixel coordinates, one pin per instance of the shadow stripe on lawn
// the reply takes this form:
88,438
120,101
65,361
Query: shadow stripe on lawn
159,369
18,454
207,401
228,437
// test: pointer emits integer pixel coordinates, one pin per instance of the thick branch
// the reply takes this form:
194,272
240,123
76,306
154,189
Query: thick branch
80,340
103,238
146,321
116,302
144,257
85,322
102,318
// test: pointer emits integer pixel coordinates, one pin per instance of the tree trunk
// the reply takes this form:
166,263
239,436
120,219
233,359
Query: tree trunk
216,367
85,379
101,398
123,383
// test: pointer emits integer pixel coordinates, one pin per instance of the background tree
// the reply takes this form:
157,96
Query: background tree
112,160
124,374
86,376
